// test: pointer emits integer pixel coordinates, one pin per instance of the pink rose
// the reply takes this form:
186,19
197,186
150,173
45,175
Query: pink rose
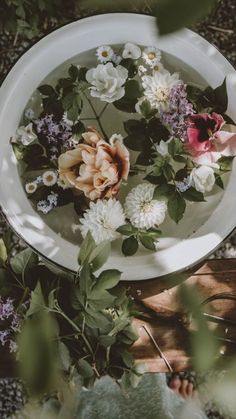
95,167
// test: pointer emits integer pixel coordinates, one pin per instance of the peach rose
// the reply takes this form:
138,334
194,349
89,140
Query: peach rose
95,167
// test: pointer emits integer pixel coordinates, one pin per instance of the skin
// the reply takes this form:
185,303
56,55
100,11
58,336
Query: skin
183,388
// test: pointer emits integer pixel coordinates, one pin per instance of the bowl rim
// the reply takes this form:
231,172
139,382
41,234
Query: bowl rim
89,18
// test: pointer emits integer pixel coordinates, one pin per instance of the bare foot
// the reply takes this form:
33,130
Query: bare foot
182,387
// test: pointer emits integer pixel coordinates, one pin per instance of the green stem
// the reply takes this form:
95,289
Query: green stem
97,117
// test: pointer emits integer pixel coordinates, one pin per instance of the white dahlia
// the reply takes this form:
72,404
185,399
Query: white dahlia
157,89
143,211
102,220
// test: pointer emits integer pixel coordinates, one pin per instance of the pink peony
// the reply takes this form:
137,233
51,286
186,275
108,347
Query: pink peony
95,167
206,141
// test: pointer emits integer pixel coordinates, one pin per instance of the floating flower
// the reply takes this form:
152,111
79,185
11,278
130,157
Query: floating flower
44,206
102,219
131,51
49,178
62,184
11,317
141,70
184,184
143,211
208,140
53,198
95,167
51,131
158,68
29,113
107,82
151,56
203,178
25,135
104,53
157,89
31,187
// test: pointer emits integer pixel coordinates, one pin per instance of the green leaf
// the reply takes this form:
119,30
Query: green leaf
73,72
225,163
68,100
163,191
106,340
131,66
3,252
133,91
86,248
175,147
148,242
85,369
85,279
47,90
172,15
130,246
157,131
107,279
134,126
100,255
145,158
221,97
127,358
100,299
126,229
219,181
193,195
146,109
96,319
136,142
24,261
64,356
18,151
37,301
176,207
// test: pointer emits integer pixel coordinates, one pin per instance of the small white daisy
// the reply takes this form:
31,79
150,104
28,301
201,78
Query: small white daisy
157,89
158,68
102,219
151,56
143,211
44,207
62,184
31,187
141,70
131,51
104,53
49,178
53,198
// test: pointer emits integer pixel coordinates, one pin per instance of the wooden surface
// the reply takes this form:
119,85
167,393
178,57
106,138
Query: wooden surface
168,331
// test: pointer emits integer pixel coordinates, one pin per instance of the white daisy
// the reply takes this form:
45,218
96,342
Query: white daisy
49,178
104,53
102,219
157,89
44,207
25,135
31,187
131,51
151,56
143,211
158,68
62,184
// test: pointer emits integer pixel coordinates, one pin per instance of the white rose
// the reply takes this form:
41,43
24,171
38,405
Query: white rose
107,82
25,135
131,51
203,178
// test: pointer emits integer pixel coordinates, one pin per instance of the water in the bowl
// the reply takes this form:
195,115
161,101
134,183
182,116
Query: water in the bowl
64,220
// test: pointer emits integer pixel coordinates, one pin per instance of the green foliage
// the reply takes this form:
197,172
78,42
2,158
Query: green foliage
173,15
147,238
210,100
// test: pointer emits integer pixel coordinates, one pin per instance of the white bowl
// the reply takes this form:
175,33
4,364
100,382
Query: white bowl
204,226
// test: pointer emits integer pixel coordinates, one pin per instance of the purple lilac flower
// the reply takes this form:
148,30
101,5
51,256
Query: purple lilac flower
13,323
179,109
56,133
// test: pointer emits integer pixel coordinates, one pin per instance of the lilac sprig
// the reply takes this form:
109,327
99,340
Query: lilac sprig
179,109
12,320
55,133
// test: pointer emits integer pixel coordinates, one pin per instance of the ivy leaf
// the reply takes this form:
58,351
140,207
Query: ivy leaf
176,207
172,15
193,195
107,279
86,248
47,90
131,66
99,255
163,191
3,252
130,246
24,261
148,242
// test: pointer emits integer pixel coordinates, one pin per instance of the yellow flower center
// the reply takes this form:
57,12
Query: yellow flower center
31,187
105,54
162,94
147,206
49,178
151,55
